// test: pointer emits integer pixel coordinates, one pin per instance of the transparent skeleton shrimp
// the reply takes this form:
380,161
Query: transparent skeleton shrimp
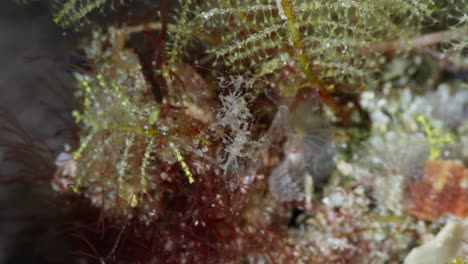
307,151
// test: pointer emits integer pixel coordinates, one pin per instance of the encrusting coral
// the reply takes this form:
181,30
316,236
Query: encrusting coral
440,191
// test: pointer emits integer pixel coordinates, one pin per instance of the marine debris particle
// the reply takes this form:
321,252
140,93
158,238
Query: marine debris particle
443,190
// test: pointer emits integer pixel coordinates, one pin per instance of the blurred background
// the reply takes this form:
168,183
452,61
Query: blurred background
33,82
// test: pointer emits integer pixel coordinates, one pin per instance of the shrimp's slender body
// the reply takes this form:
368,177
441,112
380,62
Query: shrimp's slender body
307,153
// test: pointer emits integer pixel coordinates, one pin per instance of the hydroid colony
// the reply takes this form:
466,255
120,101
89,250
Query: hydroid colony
268,131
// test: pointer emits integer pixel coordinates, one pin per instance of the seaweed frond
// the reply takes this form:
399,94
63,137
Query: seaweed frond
72,13
322,39
113,120
436,140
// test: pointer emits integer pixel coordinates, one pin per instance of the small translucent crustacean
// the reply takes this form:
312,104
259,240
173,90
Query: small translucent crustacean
308,158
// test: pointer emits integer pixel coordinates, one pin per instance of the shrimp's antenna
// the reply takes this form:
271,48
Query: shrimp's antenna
268,95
